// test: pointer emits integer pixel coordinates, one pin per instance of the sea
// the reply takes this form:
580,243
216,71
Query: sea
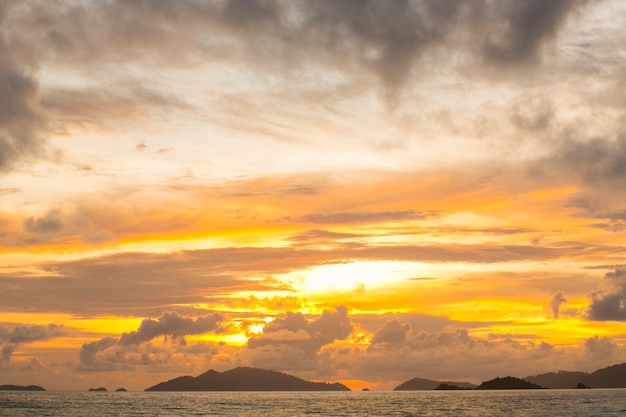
530,403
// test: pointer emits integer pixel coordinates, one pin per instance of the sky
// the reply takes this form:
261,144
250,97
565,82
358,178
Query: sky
355,191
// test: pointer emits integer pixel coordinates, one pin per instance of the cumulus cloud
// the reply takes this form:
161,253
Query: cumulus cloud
14,335
133,349
172,325
609,303
294,343
603,348
392,332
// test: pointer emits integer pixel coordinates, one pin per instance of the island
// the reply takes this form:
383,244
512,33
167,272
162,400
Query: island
245,379
421,384
508,382
21,388
448,387
613,376
101,389
121,390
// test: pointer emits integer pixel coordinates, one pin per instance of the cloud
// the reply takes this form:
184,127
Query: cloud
142,284
7,351
392,332
603,348
294,343
50,223
527,25
368,217
22,122
555,303
609,303
133,349
9,190
29,334
173,325
13,335
316,236
89,351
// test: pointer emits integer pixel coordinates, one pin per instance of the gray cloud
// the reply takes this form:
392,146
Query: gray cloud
527,25
388,40
7,351
169,324
142,284
294,343
173,325
368,217
89,351
29,334
13,335
392,332
603,348
22,122
555,303
49,223
609,303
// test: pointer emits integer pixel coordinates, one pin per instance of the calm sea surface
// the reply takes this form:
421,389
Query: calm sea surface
595,402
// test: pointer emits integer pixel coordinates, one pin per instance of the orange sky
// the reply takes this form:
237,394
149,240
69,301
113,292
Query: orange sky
364,192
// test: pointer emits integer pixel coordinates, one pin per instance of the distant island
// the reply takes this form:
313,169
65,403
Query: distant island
508,382
101,389
421,384
245,379
21,388
610,377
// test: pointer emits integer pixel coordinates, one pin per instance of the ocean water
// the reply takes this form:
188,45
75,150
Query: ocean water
531,403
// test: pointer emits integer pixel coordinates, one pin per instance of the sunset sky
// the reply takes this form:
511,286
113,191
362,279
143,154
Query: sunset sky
355,191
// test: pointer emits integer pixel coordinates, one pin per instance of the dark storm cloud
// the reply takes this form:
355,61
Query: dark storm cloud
609,303
172,325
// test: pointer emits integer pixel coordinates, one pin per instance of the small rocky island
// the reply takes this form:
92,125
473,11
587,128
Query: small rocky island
100,389
21,388
245,379
508,382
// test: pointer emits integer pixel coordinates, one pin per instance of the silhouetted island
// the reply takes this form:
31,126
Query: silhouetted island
21,388
245,379
448,387
101,389
508,382
421,384
121,390
610,377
